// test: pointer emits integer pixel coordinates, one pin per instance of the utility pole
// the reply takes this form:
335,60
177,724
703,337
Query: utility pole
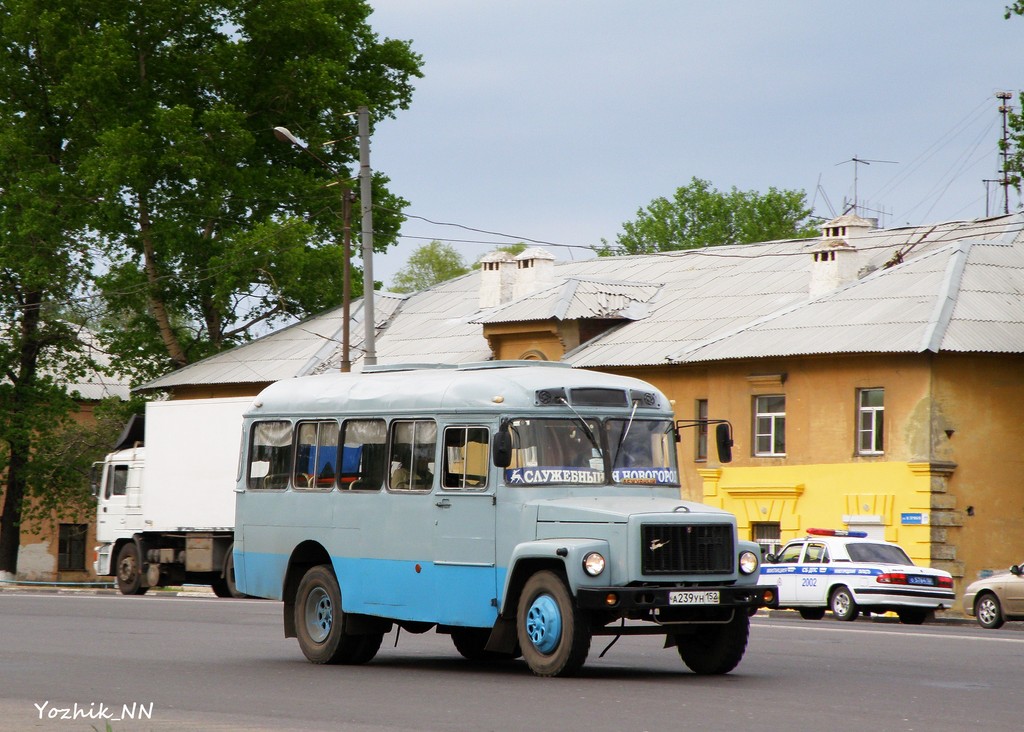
370,337
348,197
1004,110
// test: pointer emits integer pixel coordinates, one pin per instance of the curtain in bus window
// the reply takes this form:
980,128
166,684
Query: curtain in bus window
270,455
316,454
465,458
363,454
413,444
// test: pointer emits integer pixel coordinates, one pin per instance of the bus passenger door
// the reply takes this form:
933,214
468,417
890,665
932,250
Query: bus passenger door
464,525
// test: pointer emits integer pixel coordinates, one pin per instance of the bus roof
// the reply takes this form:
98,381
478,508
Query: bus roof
486,387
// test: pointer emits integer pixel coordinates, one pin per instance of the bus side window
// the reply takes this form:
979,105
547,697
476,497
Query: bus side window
363,455
316,452
465,458
413,444
270,455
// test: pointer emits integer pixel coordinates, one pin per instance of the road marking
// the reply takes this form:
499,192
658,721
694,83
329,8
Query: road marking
903,634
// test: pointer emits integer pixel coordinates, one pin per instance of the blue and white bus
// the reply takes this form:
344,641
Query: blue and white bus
520,507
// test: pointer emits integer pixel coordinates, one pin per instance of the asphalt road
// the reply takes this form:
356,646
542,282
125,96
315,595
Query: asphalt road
195,663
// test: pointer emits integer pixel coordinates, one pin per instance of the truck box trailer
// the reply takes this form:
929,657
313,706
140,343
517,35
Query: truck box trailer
166,500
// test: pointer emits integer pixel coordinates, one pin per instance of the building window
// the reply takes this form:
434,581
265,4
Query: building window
71,547
870,421
768,534
702,430
770,426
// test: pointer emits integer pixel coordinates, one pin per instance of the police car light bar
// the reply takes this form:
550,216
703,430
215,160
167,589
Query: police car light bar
838,532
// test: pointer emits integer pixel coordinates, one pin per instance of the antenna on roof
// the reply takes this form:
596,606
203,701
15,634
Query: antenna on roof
856,161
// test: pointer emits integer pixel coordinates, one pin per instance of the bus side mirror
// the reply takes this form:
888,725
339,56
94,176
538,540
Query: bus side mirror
501,447
723,438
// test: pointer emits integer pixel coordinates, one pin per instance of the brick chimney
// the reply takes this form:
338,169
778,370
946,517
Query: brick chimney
836,261
497,272
535,270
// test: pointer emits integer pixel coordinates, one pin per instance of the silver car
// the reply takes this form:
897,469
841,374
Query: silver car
996,599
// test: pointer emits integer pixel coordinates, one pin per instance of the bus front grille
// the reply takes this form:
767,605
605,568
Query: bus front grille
687,549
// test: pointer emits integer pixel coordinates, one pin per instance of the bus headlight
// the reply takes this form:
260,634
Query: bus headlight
748,562
593,564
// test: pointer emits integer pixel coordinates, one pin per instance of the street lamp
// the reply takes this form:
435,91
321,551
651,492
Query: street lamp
348,197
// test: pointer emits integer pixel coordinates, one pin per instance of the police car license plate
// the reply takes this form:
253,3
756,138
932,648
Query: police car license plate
691,597
915,579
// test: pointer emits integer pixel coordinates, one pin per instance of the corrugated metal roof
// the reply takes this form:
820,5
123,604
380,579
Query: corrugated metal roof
577,298
954,286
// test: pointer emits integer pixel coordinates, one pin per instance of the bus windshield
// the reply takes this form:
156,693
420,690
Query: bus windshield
591,452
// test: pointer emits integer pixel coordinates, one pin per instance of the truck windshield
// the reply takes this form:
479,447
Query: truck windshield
550,451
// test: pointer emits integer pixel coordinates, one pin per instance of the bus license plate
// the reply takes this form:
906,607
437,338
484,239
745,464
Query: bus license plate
708,597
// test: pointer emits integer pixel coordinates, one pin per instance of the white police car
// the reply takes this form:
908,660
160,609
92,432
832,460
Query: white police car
847,573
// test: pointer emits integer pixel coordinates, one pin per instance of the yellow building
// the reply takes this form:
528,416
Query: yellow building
872,377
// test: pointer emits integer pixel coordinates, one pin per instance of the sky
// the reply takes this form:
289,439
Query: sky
555,121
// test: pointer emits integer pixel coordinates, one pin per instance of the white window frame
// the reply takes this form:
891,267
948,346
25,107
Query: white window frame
775,423
873,434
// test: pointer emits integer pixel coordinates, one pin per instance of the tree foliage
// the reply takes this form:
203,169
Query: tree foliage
214,227
429,265
136,141
1015,142
697,216
44,132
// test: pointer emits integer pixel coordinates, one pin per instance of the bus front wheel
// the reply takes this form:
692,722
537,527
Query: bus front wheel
319,622
553,634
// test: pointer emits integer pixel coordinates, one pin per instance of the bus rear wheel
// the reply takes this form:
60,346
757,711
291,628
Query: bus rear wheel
553,634
320,622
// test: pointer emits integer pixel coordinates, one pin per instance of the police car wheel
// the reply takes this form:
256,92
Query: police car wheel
553,633
319,622
843,606
812,613
988,611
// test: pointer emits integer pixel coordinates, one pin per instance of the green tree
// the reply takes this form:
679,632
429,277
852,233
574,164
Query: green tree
1015,141
513,249
427,266
136,140
700,216
213,227
43,135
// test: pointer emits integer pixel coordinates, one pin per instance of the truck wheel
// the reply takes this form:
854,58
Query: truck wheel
553,634
129,571
225,586
715,649
319,622
844,607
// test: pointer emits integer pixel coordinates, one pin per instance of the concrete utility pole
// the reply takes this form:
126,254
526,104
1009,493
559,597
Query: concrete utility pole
1005,109
370,338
